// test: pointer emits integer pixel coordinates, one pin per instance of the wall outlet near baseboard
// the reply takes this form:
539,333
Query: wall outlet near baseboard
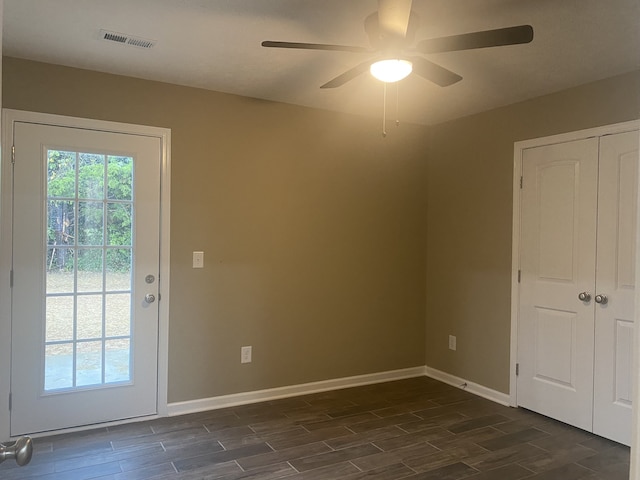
198,259
452,342
245,354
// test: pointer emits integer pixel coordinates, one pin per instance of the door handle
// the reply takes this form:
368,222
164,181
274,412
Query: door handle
584,296
20,450
601,299
149,298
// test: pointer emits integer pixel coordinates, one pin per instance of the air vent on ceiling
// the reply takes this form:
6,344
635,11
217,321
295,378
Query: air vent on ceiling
126,39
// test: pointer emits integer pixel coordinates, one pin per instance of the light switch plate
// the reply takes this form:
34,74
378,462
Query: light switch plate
245,354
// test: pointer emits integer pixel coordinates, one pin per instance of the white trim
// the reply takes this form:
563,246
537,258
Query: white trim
634,468
164,134
213,403
580,134
5,288
223,401
515,267
475,388
165,277
5,262
518,149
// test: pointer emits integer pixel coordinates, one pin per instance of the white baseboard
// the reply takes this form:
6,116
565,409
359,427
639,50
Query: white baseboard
212,403
223,401
475,388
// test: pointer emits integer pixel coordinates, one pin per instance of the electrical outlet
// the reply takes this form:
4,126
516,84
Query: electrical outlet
245,354
452,342
198,259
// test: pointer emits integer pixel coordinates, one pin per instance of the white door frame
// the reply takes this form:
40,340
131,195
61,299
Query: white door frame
6,191
515,252
518,149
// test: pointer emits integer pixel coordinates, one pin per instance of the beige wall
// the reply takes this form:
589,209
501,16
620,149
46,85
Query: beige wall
470,217
313,229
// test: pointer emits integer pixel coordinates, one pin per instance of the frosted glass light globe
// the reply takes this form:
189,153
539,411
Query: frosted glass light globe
391,70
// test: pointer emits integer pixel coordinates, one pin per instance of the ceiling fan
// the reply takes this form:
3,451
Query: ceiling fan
391,32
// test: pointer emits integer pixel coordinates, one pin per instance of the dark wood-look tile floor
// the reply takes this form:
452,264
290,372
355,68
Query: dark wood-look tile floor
411,429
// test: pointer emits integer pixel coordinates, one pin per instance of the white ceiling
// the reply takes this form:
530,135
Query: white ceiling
215,44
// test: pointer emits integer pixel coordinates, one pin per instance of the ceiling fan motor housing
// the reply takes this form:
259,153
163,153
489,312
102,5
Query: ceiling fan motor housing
381,40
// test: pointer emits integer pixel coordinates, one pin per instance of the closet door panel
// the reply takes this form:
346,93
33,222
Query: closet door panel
558,241
614,320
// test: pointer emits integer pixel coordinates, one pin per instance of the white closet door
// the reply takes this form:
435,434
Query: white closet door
558,241
617,200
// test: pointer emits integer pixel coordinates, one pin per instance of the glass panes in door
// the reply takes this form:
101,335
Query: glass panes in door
88,270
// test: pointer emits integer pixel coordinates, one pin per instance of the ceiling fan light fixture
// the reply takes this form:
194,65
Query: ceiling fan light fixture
391,70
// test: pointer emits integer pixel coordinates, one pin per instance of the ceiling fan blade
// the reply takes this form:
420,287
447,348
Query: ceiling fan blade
487,38
315,46
433,72
393,16
348,75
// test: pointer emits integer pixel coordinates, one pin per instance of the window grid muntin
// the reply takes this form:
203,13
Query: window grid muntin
74,250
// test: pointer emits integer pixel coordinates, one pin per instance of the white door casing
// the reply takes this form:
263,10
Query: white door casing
155,377
613,276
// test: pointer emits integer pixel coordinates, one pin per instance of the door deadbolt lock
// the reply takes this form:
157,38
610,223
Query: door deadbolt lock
149,298
584,296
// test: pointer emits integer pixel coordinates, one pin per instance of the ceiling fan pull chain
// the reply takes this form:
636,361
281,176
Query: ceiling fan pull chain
384,110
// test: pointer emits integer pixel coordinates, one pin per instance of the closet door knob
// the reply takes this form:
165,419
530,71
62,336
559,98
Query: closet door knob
601,299
584,296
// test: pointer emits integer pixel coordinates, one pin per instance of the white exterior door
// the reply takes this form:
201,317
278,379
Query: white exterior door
577,257
615,279
558,242
86,223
